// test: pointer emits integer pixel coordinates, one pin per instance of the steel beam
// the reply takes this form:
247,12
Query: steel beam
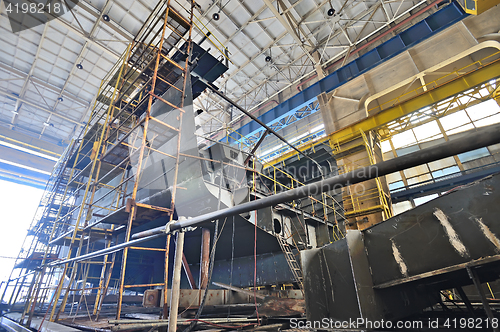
111,24
32,104
368,61
480,138
424,99
251,116
290,30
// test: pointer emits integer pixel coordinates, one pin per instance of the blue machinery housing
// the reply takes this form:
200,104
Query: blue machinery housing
424,29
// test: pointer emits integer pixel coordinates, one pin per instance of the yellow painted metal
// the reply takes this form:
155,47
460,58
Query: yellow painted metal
496,93
436,111
476,7
29,146
479,72
354,204
426,95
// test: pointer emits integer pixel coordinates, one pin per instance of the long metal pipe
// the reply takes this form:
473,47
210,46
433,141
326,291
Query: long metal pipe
482,137
106,251
254,118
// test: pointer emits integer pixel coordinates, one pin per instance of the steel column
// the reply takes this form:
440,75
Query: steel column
480,138
176,283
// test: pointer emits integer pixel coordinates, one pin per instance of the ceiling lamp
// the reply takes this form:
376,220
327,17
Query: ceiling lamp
331,12
268,58
216,16
79,66
60,99
105,18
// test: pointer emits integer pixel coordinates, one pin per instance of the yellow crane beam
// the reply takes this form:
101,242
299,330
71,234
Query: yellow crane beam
428,96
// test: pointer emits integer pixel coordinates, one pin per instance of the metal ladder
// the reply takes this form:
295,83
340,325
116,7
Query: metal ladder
292,262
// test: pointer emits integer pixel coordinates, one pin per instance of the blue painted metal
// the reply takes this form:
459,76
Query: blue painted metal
285,149
424,29
24,176
282,122
443,183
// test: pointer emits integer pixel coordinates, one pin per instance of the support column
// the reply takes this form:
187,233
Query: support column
176,283
205,255
473,275
329,118
367,203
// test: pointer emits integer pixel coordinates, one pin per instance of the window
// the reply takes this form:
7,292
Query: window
424,199
483,110
446,171
403,139
454,120
474,154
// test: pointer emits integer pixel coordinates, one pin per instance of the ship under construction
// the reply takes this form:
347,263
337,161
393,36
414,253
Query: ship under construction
145,225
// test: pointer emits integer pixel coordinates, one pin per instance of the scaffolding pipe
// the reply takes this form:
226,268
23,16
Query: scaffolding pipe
482,137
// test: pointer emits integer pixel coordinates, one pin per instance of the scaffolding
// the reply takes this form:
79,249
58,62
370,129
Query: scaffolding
130,167
94,189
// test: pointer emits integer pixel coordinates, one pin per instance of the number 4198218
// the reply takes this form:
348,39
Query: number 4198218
34,8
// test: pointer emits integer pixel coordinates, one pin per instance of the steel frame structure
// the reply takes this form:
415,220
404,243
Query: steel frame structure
89,212
72,202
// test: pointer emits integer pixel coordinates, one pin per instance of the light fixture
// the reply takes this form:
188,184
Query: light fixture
216,16
105,18
331,12
60,99
268,58
79,66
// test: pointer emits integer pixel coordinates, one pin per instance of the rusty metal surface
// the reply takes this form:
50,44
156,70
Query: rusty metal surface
329,288
276,307
454,229
396,268
152,298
